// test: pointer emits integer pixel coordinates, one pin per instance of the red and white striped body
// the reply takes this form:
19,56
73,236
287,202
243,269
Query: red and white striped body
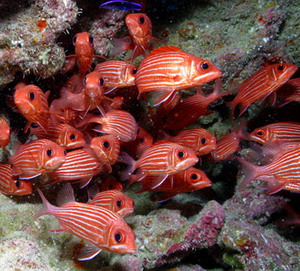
116,73
262,83
198,139
37,157
80,165
277,133
115,201
119,123
165,158
10,185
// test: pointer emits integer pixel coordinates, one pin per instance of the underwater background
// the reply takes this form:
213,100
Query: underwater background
216,228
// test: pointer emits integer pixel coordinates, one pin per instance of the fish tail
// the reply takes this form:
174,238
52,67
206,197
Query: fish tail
127,159
48,208
249,171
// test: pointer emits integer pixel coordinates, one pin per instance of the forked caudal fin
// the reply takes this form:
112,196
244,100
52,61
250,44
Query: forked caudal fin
48,208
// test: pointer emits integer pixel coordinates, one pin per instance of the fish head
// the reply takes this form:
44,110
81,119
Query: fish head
120,237
128,73
280,73
139,25
261,135
144,140
4,130
111,184
51,156
21,187
69,137
84,44
203,71
107,148
122,204
94,85
206,143
196,179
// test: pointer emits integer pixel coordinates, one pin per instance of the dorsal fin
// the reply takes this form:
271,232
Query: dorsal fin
163,49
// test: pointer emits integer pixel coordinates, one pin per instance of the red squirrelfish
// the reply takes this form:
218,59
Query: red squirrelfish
115,201
32,104
277,133
290,91
198,139
100,227
37,157
107,148
116,74
80,166
13,186
281,173
185,181
168,69
110,184
261,84
119,123
163,159
4,133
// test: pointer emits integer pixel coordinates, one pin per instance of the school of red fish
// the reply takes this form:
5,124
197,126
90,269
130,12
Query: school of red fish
87,132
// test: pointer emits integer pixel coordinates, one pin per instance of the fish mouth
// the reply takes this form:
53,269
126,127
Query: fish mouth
210,76
257,139
23,102
55,163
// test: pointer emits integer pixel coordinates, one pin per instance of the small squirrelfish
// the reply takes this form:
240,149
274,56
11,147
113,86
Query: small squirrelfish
281,173
163,159
277,133
114,201
290,91
101,228
261,84
80,166
111,184
4,133
116,74
185,181
37,157
168,69
32,104
198,139
119,123
13,186
107,148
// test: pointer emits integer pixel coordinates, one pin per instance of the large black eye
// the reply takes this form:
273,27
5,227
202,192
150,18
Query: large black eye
18,184
119,203
34,125
105,144
260,133
204,66
91,39
281,67
134,71
74,40
142,20
84,80
49,152
72,136
118,237
31,96
101,81
142,139
203,140
194,176
180,154
110,187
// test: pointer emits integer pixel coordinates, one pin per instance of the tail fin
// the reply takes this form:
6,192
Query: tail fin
127,159
249,171
48,208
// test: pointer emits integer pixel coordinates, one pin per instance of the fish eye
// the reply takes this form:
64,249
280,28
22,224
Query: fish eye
34,125
142,139
142,20
204,66
84,80
91,39
74,39
105,144
18,184
49,152
194,176
180,154
281,67
101,81
203,140
260,133
72,136
119,203
134,71
118,237
31,96
110,187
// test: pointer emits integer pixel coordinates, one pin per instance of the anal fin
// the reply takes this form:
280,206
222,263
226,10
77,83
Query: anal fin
88,252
